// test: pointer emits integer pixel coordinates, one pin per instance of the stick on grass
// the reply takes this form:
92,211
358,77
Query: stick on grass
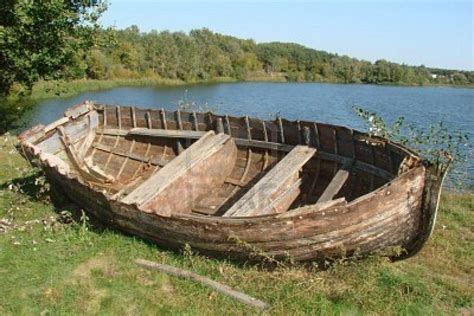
224,289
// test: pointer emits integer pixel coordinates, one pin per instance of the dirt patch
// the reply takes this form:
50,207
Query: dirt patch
91,296
103,263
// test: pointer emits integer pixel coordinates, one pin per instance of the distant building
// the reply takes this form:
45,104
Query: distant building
434,76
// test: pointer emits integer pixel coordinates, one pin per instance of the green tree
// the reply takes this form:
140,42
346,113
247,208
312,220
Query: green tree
41,39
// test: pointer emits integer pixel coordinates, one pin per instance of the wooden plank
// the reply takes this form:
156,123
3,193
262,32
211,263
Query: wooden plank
267,191
78,110
110,149
55,124
263,144
313,208
282,132
336,183
174,187
195,122
167,133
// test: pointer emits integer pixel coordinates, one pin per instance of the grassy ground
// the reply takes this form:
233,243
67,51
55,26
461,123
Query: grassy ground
52,264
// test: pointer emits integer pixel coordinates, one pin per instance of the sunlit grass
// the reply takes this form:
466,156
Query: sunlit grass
50,265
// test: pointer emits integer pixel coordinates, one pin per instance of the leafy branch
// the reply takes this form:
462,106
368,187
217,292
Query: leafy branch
436,144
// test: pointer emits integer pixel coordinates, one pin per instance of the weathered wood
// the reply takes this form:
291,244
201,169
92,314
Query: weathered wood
134,117
56,123
166,133
313,208
104,125
336,147
235,182
227,125
265,138
117,138
262,144
300,138
336,183
247,165
317,141
247,127
89,138
118,152
306,136
221,288
76,130
168,190
282,132
124,163
178,119
149,123
195,121
242,142
272,185
220,125
78,110
83,167
163,118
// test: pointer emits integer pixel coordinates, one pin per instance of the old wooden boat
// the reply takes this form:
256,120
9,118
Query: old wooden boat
239,187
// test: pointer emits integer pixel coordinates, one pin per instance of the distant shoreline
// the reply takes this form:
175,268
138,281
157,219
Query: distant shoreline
58,89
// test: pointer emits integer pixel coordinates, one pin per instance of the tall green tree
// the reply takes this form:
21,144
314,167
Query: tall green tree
44,39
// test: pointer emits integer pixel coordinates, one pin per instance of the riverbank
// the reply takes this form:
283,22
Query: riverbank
52,89
54,260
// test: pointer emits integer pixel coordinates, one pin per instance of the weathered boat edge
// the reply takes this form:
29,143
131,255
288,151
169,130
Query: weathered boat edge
432,189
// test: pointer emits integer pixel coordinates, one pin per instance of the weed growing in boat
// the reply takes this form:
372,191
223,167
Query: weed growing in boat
437,144
192,106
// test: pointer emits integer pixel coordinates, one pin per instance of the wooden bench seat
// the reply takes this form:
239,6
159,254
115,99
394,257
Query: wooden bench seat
337,182
197,170
277,190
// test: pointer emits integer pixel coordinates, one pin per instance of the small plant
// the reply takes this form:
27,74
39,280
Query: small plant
261,255
436,144
192,106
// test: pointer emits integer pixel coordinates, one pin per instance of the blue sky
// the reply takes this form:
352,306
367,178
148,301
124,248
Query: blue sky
434,33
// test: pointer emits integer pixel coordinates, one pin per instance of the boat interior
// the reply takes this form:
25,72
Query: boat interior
173,162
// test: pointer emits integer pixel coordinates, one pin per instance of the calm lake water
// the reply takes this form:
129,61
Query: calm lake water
331,103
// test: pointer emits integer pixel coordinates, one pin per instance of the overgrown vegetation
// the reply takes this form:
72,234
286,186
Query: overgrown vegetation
436,143
53,260
204,55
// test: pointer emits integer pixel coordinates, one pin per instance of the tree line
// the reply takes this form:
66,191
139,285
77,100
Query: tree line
58,39
204,55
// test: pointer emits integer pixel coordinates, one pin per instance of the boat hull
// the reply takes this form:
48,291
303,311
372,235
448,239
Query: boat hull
400,213
391,216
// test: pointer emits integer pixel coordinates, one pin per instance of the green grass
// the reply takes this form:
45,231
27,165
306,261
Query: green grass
50,265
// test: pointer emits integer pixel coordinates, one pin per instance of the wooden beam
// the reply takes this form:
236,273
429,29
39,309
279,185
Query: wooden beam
337,182
174,188
221,288
263,144
275,192
167,133
109,149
